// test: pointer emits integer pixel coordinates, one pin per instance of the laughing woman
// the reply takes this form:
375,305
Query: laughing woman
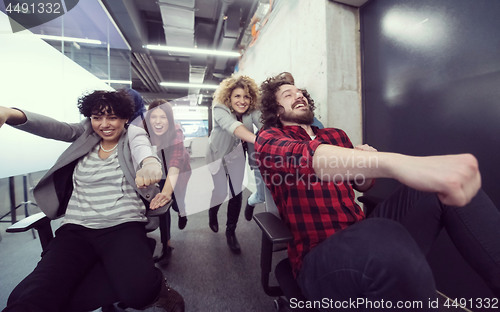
235,113
168,138
92,185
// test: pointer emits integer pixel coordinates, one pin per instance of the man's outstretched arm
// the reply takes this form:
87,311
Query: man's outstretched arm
455,178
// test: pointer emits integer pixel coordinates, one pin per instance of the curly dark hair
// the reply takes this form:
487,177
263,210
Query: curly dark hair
99,102
269,105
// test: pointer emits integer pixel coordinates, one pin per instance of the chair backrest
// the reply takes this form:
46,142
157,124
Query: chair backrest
270,204
275,236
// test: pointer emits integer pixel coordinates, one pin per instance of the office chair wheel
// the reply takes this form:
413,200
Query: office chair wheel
277,304
280,304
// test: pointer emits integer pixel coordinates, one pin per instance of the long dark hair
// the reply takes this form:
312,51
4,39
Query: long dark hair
168,137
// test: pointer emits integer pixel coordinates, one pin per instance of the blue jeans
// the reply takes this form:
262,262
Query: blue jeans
259,195
383,257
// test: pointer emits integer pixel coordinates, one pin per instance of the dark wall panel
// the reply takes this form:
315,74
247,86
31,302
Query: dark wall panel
431,81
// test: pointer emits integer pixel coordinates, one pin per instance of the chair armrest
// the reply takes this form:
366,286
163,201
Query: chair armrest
38,221
274,234
273,228
32,222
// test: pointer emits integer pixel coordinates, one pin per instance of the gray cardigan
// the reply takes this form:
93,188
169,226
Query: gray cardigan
222,139
54,190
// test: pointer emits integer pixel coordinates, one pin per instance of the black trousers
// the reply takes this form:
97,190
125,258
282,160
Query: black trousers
123,250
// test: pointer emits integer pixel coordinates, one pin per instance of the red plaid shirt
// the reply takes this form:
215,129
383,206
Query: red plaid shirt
312,209
176,156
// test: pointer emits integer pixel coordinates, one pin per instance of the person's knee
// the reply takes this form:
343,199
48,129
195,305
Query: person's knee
390,243
397,261
388,256
375,257
376,248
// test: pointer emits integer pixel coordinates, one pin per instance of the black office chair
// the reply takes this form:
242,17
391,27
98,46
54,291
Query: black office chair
94,291
275,237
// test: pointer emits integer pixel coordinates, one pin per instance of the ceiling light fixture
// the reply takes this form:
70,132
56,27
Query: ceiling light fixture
71,39
109,81
192,50
186,85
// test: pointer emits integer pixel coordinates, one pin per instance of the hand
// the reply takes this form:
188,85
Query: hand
149,174
161,199
4,115
455,178
13,116
365,147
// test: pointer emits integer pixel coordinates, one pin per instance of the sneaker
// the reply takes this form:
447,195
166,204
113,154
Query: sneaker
169,299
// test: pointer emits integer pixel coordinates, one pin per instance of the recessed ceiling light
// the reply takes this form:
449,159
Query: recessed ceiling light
188,85
71,39
192,50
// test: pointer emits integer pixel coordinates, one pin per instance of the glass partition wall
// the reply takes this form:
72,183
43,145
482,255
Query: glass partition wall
87,35
45,69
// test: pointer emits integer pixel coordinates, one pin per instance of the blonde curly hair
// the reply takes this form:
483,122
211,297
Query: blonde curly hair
223,93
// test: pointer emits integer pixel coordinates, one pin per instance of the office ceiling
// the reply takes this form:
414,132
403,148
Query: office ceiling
205,24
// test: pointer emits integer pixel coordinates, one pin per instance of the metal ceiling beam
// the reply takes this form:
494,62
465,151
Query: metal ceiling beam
245,29
144,74
137,71
219,38
220,22
151,69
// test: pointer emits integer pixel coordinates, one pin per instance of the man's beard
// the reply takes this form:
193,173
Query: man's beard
305,118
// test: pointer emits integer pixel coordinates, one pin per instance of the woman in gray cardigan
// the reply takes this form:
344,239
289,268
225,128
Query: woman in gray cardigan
93,185
235,113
